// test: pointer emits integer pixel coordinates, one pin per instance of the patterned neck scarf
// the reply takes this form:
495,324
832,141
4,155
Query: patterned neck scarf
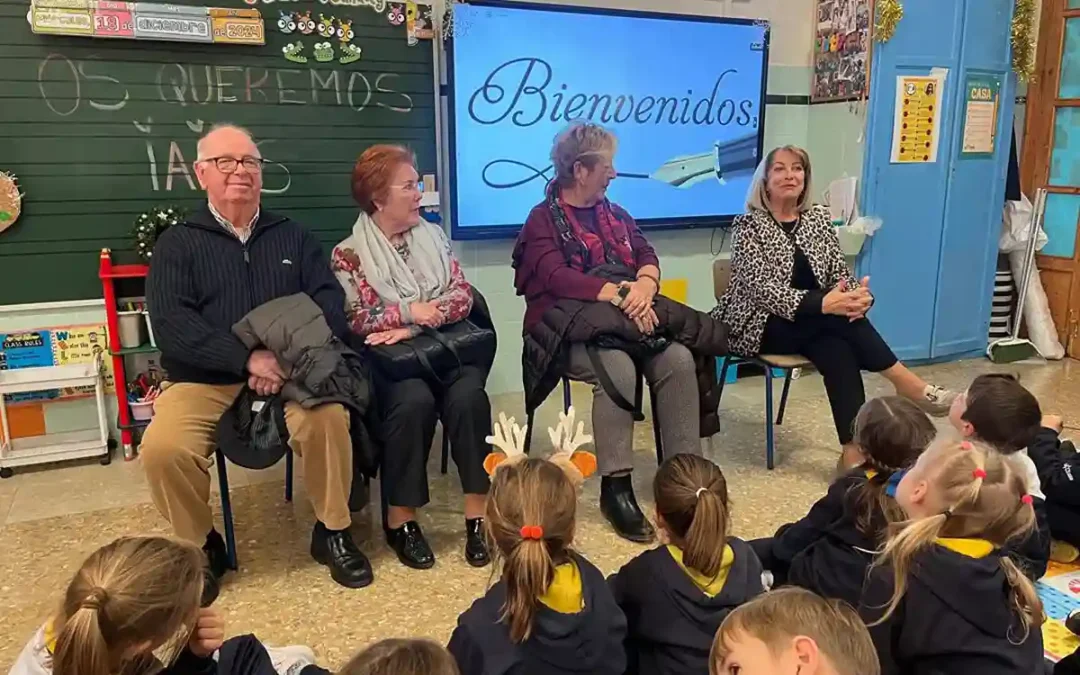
610,244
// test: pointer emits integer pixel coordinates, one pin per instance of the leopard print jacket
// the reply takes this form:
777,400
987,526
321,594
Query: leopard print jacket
762,260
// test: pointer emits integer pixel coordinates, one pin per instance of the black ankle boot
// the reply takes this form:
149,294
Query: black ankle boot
476,550
411,547
620,507
217,564
337,550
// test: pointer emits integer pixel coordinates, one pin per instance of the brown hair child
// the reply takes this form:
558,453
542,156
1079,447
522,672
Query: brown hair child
830,549
551,610
793,632
675,596
943,597
402,657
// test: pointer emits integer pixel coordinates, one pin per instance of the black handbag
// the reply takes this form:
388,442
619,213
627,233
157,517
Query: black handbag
437,354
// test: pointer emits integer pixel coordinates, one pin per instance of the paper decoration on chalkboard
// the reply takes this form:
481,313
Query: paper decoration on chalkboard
304,23
349,53
425,23
146,21
377,5
324,52
150,225
326,26
410,23
396,14
294,51
286,23
10,200
344,31
841,50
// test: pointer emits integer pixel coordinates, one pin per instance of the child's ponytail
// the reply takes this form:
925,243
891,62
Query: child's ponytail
527,571
691,498
1023,599
900,552
81,648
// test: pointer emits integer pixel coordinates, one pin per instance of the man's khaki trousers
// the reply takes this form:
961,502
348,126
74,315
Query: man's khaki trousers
177,445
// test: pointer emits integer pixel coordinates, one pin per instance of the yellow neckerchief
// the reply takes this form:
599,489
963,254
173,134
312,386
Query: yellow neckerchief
564,594
711,586
50,637
972,548
870,473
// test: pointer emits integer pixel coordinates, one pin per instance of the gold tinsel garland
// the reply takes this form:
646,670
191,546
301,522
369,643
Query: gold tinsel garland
1023,40
889,13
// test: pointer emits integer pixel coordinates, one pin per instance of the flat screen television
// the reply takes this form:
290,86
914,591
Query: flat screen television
685,95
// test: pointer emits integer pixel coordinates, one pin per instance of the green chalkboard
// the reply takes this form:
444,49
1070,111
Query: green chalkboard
100,130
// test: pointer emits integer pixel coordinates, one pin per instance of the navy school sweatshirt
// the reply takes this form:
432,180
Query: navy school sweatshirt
671,621
203,280
589,641
954,619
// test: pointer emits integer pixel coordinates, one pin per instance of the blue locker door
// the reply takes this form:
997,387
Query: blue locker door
903,257
976,192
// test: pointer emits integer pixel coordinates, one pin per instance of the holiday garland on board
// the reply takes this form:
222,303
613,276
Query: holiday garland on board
889,13
150,225
10,200
1023,40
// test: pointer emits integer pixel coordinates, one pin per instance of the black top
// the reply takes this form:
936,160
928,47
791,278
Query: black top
590,641
955,618
203,280
670,620
802,275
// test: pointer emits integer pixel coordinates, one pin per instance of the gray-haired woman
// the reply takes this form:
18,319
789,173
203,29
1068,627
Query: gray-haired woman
571,233
791,292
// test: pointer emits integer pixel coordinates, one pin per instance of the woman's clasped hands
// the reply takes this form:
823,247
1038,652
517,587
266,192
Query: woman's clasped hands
850,302
638,304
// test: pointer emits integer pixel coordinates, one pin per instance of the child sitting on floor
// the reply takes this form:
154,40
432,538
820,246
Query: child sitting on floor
830,549
402,657
676,596
793,632
551,611
140,596
1059,479
943,598
997,410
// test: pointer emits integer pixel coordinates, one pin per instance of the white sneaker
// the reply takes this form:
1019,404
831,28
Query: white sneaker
290,660
936,400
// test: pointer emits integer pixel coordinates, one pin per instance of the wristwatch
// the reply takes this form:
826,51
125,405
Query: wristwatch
620,296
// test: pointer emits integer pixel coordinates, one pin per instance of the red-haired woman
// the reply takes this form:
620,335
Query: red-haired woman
401,277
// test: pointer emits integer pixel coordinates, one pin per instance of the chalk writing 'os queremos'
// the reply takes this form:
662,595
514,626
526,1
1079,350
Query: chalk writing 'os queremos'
521,90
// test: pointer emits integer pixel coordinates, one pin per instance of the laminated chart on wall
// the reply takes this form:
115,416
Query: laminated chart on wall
917,126
147,21
60,346
982,99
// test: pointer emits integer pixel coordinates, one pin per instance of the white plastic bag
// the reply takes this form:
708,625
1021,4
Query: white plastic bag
1016,226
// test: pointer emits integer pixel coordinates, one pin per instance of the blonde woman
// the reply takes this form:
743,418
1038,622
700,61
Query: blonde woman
560,254
791,292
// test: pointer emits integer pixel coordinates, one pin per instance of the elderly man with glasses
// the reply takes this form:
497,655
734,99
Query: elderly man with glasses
228,258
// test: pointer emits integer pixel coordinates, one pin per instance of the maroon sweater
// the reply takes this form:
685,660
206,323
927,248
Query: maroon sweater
541,272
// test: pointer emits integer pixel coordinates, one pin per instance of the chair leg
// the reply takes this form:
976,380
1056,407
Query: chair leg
783,397
724,362
288,475
656,429
528,432
768,418
566,402
226,508
445,451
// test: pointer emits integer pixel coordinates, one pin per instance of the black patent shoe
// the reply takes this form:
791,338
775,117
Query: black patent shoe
337,550
217,564
476,550
620,508
411,547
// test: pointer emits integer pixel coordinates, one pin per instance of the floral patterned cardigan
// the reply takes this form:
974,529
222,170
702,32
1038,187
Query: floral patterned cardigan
366,311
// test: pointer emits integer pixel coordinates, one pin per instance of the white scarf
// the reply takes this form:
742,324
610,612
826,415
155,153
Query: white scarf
426,277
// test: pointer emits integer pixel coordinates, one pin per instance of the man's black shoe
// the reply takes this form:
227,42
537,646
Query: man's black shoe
337,550
411,547
217,564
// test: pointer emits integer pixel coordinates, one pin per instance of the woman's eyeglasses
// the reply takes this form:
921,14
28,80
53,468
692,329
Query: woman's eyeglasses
411,186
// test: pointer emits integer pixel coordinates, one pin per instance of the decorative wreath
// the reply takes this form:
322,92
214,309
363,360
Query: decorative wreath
150,225
10,200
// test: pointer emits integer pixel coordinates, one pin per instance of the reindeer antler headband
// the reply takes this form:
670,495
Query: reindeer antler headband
509,440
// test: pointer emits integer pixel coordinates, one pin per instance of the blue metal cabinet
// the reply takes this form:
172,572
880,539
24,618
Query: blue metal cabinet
932,264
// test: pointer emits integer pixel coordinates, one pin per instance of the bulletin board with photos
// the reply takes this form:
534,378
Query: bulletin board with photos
841,50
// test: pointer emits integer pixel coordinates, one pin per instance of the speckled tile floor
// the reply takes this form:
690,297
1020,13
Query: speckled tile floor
50,519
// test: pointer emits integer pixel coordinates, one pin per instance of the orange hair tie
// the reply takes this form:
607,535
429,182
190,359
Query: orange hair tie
532,532
979,473
966,445
1026,499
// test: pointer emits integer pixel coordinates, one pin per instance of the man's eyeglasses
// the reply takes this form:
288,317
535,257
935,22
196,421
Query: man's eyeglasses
229,164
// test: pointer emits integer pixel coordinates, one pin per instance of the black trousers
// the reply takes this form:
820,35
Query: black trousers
245,655
409,410
840,350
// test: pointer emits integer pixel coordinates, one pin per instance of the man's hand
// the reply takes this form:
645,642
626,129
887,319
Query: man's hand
388,337
427,314
209,633
264,365
263,386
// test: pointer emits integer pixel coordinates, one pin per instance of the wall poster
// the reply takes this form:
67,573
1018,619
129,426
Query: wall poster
982,97
841,50
917,125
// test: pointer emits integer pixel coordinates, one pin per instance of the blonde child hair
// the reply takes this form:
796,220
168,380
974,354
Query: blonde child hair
530,515
778,617
977,495
130,597
692,501
402,657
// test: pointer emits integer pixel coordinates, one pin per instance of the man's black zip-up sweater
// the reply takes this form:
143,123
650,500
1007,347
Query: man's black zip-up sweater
203,280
